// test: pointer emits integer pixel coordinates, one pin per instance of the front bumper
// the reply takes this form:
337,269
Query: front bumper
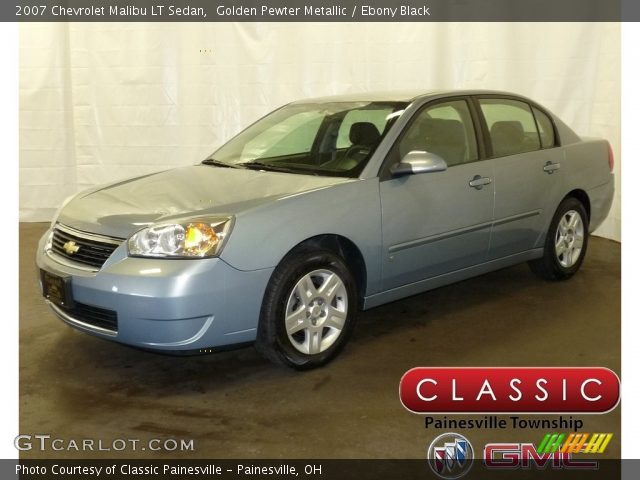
165,304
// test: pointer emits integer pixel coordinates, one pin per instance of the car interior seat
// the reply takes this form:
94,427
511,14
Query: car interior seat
446,139
507,138
364,138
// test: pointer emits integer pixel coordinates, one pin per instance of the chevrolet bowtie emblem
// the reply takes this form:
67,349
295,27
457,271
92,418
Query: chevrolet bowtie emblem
70,247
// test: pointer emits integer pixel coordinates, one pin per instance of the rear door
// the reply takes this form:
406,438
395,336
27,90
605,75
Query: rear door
439,222
527,171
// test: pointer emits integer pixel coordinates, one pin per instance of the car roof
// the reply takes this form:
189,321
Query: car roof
399,96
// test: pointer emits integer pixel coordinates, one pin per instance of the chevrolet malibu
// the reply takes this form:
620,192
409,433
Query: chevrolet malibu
322,208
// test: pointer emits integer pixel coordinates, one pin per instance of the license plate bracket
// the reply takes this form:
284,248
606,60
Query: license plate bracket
57,289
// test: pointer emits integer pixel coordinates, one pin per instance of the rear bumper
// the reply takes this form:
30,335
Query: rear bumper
160,304
601,199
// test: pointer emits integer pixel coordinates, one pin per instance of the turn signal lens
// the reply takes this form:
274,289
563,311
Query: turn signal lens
199,238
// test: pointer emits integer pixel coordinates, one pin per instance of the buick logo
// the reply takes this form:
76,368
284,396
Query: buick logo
70,247
450,456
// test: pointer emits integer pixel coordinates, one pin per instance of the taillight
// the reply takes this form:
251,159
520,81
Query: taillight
611,159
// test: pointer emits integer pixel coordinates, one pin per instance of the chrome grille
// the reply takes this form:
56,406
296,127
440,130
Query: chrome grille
81,247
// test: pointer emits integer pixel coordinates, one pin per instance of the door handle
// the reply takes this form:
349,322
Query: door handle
478,182
551,167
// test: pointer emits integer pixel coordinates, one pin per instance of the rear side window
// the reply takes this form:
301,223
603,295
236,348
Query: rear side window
511,125
445,129
545,126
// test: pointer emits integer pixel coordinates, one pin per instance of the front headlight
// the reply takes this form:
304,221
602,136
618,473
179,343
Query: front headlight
194,239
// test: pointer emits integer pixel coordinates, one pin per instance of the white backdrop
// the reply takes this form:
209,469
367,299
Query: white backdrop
101,102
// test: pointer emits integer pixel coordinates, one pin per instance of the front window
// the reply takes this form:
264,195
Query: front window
312,138
445,129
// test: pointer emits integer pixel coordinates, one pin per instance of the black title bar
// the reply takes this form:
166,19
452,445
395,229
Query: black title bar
292,469
320,10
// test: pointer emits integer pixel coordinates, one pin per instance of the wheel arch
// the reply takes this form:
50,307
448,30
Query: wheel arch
345,249
582,197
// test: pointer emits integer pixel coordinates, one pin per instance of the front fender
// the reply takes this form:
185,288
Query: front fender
263,236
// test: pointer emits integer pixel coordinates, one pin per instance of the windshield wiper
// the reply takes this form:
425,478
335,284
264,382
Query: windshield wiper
218,163
275,168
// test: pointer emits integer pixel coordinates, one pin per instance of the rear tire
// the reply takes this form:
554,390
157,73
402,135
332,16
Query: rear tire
308,310
566,242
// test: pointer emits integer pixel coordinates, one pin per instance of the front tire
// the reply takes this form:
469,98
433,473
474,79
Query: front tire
566,242
308,311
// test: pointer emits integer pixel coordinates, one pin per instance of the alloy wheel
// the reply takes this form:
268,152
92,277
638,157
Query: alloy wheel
569,238
316,311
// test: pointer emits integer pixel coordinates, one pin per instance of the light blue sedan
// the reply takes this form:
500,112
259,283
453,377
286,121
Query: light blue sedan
321,208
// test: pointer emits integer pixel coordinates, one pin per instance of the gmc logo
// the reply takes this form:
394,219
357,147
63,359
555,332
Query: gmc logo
511,456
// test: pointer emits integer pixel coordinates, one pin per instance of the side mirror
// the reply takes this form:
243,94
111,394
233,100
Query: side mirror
418,161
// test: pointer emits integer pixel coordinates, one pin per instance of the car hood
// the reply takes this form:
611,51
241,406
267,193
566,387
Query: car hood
122,208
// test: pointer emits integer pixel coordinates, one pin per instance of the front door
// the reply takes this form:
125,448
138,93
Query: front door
436,223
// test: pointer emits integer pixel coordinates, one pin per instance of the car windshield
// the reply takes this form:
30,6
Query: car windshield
312,138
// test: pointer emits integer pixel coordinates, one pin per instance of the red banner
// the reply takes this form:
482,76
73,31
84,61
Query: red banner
510,390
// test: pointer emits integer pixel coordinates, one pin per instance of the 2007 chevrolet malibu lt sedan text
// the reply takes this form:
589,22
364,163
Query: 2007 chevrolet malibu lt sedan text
321,208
